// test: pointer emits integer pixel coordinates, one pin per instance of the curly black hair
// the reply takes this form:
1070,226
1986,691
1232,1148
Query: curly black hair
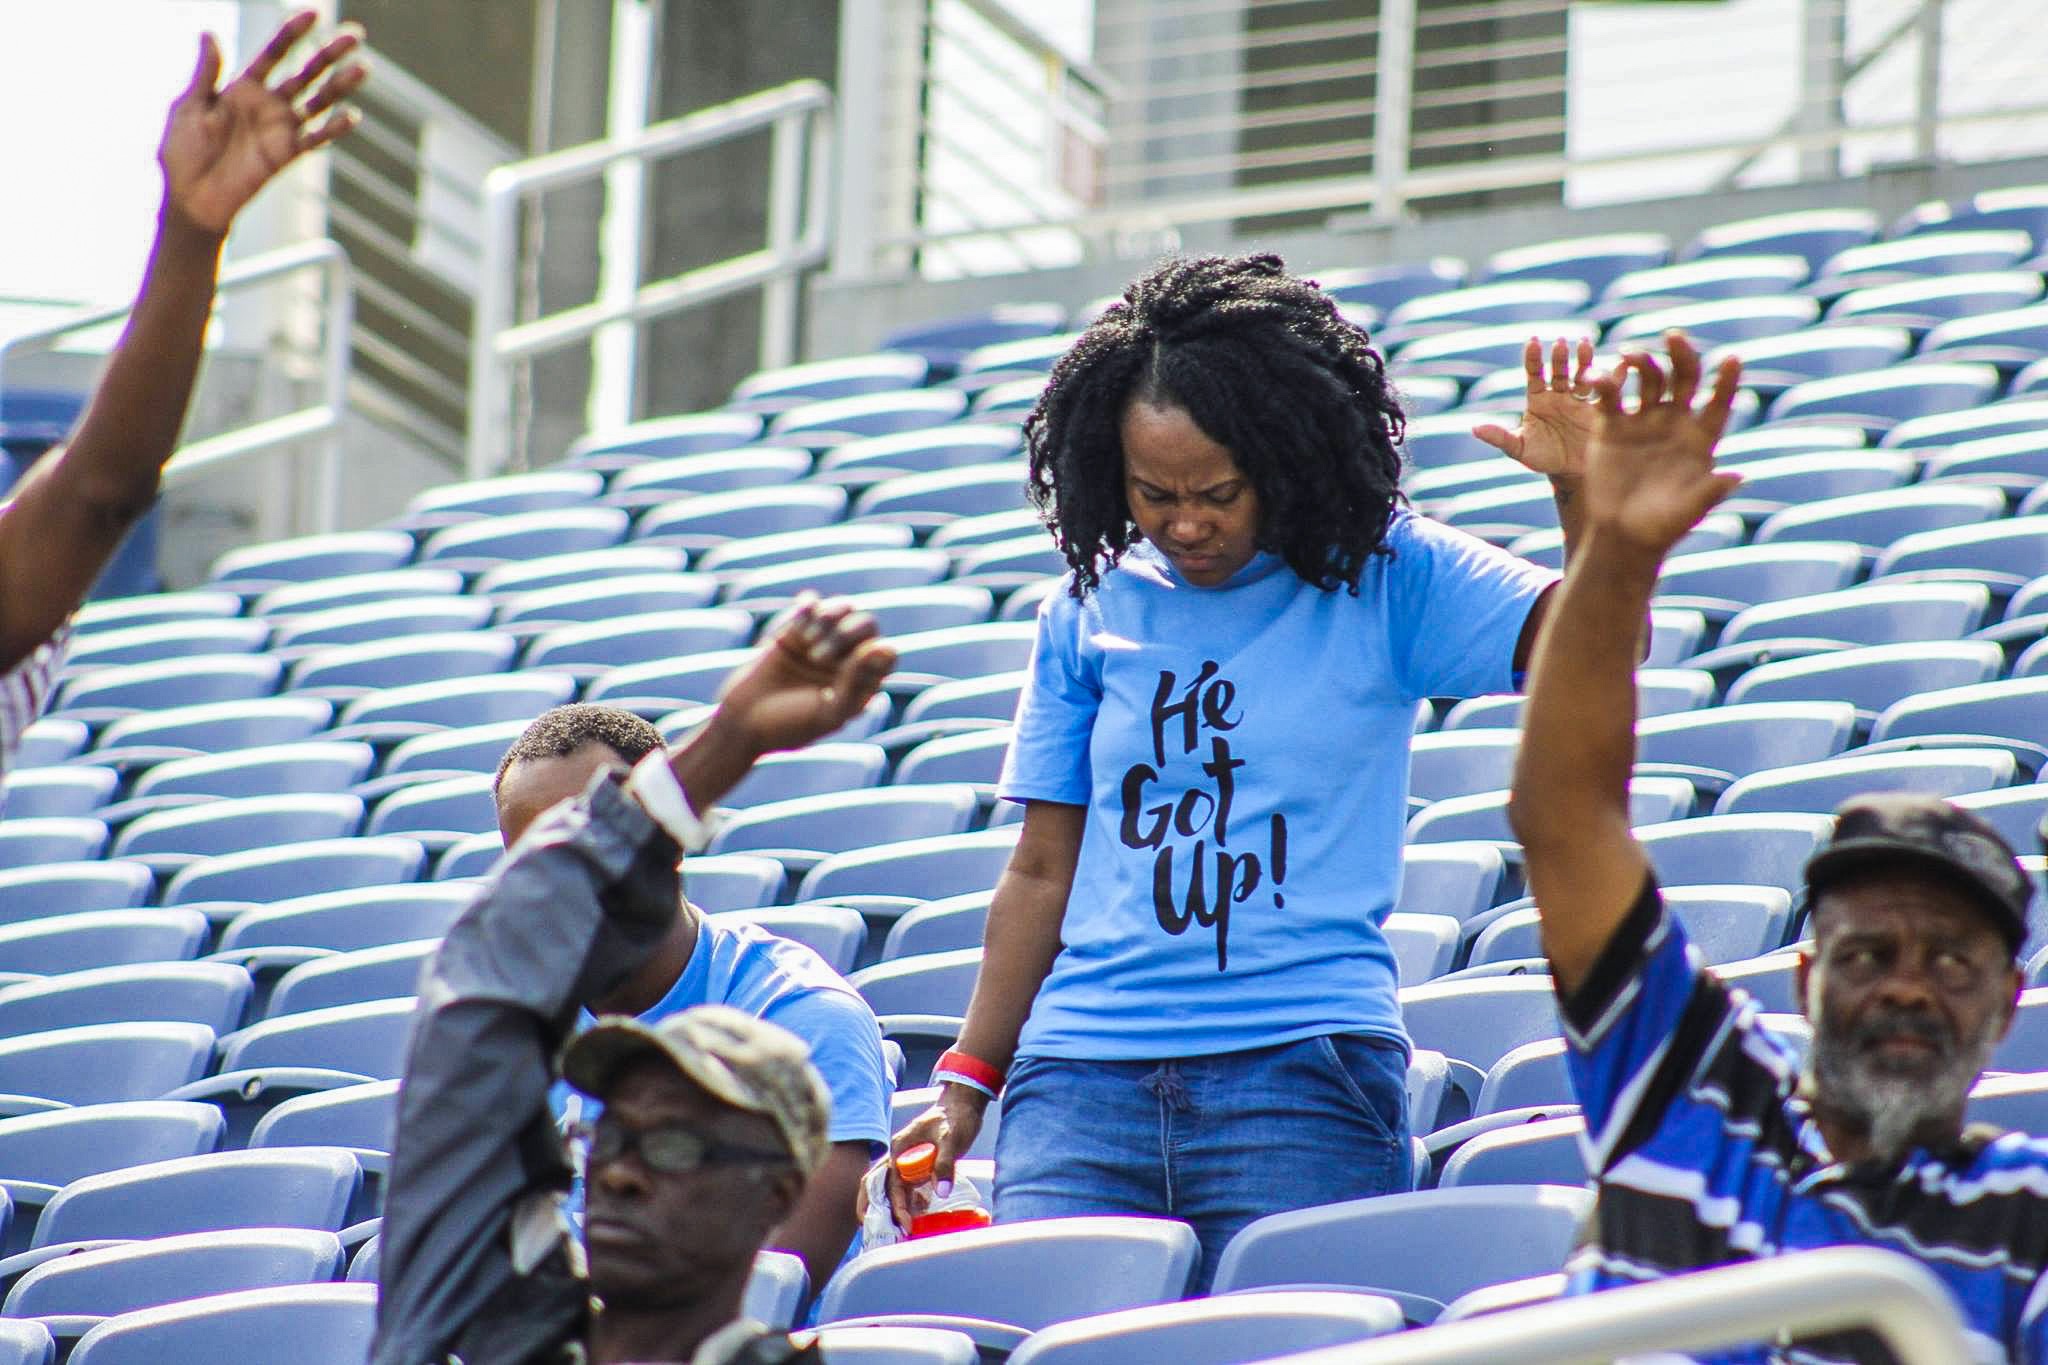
559,732
1265,365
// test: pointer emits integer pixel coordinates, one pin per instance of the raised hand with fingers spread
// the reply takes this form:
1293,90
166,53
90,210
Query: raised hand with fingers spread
1557,413
1650,473
222,145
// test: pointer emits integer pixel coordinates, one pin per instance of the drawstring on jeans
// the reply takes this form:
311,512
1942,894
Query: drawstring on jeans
1165,1084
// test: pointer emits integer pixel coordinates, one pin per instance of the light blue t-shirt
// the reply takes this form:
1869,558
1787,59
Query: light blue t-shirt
1243,755
786,983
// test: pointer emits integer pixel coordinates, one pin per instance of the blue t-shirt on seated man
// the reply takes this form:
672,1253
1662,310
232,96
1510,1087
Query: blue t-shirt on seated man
706,961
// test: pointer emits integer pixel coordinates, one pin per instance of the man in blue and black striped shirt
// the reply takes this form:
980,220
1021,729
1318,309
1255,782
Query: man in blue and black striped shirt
1712,1141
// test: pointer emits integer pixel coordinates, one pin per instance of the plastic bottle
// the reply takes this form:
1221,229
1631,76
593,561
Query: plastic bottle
958,1210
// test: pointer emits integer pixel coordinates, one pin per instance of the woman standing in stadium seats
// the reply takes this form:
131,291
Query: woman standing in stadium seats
1185,998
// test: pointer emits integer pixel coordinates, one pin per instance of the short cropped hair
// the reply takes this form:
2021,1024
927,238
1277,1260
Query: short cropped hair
565,729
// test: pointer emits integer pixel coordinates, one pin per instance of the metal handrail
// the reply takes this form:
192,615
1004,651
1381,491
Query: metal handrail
1799,1294
321,420
799,116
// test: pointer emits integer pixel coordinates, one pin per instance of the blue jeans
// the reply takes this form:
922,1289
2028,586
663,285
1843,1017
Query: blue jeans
1214,1141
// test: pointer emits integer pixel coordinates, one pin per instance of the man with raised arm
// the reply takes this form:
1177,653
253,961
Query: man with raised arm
67,517
1711,1140
709,1133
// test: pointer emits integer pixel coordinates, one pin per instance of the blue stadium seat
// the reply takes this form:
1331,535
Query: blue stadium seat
1385,288
1446,440
471,856
465,749
2015,812
990,697
791,385
1215,1331
43,1152
1874,520
307,768
671,681
236,826
936,606
696,433
2016,550
1659,692
1727,924
2024,207
840,575
509,581
918,452
1423,945
949,865
1483,305
52,839
275,874
1029,1274
484,543
544,490
1882,400
1484,815
100,938
2018,1103
438,812
1721,322
1749,850
315,1324
1771,485
1929,253
100,1063
367,1039
362,1118
1746,739
1817,235
1873,614
2015,708
710,519
964,651
1750,574
1425,395
1713,279
844,821
355,590
932,983
945,342
406,711
939,926
837,420
1738,448
1432,1245
313,559
1012,358
169,682
66,888
51,740
351,978
883,1342
81,1290
602,599
304,928
1921,305
640,638
1008,402
152,608
1542,1152
1480,1020
1873,677
38,793
215,994
2026,413
815,771
731,881
727,471
975,758
1471,352
833,932
2010,339
170,640
217,727
1773,364
1593,261
1821,787
371,622
26,1343
1461,762
928,501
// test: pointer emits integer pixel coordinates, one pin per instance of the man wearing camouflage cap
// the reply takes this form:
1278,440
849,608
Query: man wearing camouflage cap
712,1121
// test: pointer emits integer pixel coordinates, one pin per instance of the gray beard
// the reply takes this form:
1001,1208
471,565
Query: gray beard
1890,1107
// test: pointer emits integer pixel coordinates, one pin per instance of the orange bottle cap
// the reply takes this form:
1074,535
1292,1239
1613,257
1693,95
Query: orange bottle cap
914,1164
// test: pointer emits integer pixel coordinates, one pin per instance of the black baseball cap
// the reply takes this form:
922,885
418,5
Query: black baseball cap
1904,827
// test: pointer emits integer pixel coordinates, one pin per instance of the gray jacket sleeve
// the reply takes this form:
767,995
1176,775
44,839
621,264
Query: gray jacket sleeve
571,910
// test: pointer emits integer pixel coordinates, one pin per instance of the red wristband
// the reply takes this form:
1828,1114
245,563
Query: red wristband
971,1067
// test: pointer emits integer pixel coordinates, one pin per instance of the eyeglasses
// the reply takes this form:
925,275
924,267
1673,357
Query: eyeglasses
669,1150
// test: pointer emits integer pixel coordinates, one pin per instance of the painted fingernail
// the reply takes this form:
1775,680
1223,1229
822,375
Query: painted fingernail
943,1189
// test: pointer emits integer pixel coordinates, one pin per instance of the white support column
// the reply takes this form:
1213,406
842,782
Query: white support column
1927,85
615,350
862,153
1394,92
785,229
1823,57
